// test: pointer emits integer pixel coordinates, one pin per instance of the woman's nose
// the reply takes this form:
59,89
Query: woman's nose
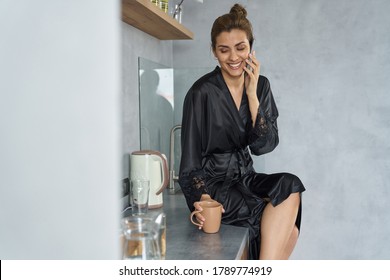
233,56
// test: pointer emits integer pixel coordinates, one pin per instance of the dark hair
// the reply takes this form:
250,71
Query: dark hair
235,19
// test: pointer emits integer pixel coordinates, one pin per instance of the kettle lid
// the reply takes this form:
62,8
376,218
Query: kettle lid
146,152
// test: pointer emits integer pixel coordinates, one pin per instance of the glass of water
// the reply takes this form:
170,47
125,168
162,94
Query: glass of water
140,196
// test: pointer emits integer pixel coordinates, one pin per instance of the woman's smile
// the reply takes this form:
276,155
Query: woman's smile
235,66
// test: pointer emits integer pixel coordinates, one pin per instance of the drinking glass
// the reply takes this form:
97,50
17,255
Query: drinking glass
140,196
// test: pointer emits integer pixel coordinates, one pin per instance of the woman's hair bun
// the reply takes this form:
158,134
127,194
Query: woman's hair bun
238,10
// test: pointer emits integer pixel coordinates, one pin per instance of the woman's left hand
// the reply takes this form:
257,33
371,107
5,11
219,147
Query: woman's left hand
251,75
251,79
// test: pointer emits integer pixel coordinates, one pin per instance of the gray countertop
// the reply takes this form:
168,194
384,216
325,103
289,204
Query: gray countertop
184,241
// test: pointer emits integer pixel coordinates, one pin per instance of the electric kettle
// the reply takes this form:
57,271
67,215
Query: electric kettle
153,166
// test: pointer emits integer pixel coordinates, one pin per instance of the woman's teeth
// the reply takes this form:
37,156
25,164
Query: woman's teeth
235,66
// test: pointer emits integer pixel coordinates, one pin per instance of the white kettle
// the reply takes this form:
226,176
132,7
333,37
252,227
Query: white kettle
153,166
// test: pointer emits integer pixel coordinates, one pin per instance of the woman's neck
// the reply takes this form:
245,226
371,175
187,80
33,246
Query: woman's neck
236,88
234,83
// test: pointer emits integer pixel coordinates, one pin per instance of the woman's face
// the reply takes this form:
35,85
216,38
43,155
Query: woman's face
231,50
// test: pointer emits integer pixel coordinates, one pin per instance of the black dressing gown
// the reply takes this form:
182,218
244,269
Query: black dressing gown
216,159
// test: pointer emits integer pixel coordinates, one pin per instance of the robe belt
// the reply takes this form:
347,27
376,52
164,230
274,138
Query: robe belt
237,157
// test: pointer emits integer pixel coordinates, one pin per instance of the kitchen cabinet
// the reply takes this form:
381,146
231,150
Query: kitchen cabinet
146,16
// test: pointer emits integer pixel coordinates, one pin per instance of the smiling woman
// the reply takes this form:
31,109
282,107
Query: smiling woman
227,113
232,51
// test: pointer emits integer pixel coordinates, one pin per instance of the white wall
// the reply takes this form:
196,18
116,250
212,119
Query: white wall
60,129
328,63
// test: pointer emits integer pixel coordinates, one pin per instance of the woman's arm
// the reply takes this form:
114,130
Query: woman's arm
191,176
251,82
263,137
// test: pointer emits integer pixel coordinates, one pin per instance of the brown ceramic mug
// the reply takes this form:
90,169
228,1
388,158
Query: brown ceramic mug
212,212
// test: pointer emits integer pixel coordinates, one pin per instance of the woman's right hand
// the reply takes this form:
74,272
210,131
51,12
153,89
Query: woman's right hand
197,206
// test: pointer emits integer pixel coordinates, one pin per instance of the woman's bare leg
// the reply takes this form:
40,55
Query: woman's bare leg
277,226
291,243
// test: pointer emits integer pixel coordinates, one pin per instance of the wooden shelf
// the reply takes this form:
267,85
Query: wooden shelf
146,16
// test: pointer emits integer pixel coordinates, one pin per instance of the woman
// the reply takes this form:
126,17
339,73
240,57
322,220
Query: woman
225,112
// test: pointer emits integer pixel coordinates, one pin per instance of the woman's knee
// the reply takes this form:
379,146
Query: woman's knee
292,202
292,241
295,233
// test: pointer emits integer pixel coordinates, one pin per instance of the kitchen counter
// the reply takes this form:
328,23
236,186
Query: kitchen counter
184,241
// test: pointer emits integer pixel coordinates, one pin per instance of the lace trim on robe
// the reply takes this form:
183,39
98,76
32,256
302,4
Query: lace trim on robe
261,127
193,186
198,182
263,137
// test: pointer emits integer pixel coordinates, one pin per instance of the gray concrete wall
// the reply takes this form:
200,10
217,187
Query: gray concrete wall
135,44
328,63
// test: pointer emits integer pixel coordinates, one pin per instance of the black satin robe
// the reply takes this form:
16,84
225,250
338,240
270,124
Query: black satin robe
216,159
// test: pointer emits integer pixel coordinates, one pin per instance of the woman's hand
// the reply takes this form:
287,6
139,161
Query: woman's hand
251,79
252,74
198,216
197,206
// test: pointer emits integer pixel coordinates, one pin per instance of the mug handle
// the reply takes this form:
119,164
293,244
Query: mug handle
191,218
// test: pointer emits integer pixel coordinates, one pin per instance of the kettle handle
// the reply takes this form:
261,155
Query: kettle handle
164,165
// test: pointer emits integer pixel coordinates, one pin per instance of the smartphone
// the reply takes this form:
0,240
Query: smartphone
247,65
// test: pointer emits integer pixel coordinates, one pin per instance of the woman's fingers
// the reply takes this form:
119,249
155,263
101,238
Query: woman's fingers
253,63
200,219
198,216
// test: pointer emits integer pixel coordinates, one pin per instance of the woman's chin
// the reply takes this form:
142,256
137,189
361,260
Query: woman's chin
234,72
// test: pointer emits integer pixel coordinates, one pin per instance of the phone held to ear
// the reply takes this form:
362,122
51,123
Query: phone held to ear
247,65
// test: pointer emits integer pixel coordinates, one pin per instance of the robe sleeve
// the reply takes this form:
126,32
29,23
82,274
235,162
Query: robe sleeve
263,136
191,176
